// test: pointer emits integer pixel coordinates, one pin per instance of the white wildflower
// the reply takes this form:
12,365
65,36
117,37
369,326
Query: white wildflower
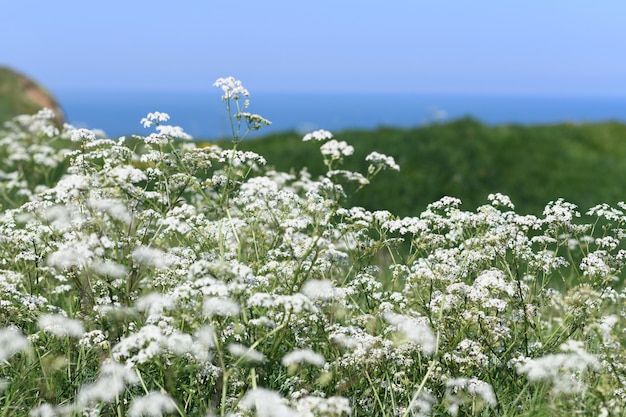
151,257
80,135
140,346
563,370
232,88
122,174
108,268
60,325
606,325
472,386
114,208
246,353
153,404
381,161
266,403
174,132
560,211
254,121
11,342
205,337
155,303
303,355
336,149
500,200
606,211
321,289
414,330
217,306
422,403
608,242
318,135
44,410
113,379
316,406
94,338
156,117
595,264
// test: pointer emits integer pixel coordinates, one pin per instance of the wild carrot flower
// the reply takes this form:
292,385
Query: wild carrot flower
303,355
414,330
318,135
232,88
266,403
173,132
246,353
562,370
500,200
310,406
217,306
336,149
151,257
474,387
381,161
80,135
61,325
317,289
153,404
11,342
113,379
156,118
44,410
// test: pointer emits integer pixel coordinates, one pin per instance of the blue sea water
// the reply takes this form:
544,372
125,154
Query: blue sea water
203,114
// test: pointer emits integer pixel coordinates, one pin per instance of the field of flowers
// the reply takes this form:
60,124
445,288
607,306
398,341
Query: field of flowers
153,276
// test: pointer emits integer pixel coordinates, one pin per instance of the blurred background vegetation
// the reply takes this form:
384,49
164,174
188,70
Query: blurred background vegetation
582,163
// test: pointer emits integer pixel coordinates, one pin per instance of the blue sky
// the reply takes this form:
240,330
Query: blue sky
532,47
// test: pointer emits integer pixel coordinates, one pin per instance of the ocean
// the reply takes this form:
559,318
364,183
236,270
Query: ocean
203,115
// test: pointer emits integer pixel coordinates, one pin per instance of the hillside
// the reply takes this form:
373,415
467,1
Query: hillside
22,95
584,164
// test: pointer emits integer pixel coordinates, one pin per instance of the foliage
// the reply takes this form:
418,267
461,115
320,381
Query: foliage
152,276
466,159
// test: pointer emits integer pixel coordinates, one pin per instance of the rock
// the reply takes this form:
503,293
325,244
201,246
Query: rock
22,95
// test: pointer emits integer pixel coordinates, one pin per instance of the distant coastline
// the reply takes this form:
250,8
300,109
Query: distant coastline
203,115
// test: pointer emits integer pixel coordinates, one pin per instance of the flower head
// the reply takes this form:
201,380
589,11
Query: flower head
318,135
154,404
232,88
11,342
61,326
381,161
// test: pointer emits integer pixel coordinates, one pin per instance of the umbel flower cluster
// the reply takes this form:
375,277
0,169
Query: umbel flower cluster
153,275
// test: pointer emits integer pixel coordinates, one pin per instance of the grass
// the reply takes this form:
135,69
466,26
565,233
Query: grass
156,276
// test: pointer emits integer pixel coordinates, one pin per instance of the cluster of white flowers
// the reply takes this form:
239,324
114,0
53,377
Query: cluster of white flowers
211,284
61,326
382,161
232,88
155,118
303,355
562,370
318,135
473,387
153,404
336,149
11,342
